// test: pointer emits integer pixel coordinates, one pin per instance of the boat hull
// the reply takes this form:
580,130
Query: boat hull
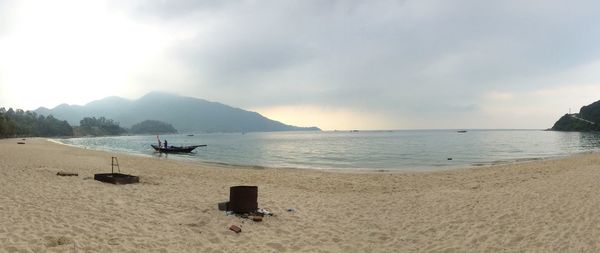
174,149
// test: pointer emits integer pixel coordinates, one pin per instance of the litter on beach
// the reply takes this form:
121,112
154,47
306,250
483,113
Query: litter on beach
264,212
235,229
67,174
223,206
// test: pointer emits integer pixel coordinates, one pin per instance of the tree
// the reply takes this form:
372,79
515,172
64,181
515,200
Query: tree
153,127
99,127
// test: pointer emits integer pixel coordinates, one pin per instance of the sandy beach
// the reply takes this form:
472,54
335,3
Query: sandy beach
539,206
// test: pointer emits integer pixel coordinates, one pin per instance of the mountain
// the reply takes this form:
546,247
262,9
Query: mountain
186,114
588,119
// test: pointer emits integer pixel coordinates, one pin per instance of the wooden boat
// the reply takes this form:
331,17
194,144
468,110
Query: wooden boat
175,149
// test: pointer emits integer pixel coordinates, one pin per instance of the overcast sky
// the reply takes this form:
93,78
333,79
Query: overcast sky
334,64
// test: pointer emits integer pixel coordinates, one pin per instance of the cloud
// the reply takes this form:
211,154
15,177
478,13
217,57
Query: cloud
71,52
5,9
430,59
415,63
178,9
499,96
535,108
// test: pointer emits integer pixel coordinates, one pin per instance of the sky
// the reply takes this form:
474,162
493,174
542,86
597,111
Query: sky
412,64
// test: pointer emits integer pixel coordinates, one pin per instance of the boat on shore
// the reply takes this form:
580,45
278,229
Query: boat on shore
175,149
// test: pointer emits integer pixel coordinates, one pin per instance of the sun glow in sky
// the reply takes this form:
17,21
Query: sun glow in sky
333,64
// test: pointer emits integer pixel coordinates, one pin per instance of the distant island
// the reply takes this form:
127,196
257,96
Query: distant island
186,114
588,119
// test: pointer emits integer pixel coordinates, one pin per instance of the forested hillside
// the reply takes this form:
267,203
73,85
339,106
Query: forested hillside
16,123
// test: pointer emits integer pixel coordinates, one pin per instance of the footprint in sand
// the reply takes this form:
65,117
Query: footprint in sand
114,241
276,246
215,240
53,241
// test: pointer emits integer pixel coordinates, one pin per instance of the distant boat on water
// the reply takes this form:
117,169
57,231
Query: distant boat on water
461,131
190,135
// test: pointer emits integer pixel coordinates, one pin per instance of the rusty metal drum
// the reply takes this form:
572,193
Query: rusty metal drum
243,199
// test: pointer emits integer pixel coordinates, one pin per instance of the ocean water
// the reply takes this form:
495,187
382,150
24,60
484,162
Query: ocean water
371,150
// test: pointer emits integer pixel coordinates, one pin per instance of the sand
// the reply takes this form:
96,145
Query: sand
540,206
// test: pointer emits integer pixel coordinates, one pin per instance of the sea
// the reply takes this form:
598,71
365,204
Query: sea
402,150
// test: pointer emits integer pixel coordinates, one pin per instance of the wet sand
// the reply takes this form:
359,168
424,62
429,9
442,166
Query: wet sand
537,206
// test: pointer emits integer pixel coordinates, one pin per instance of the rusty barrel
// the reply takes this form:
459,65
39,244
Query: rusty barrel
243,199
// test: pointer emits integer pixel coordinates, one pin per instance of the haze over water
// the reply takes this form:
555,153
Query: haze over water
370,150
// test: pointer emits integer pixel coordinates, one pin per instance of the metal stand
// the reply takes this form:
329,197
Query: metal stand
114,163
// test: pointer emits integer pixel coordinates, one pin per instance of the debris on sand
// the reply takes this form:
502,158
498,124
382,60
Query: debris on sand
235,228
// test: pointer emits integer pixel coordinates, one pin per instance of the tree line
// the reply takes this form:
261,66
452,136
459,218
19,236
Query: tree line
98,127
20,123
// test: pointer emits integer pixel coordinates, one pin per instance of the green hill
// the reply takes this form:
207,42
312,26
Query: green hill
186,114
588,119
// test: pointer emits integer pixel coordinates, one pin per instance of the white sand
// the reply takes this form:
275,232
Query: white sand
540,206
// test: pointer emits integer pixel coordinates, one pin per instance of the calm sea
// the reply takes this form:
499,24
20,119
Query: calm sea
371,150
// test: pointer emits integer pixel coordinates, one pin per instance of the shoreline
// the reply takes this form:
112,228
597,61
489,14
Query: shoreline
537,206
418,169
